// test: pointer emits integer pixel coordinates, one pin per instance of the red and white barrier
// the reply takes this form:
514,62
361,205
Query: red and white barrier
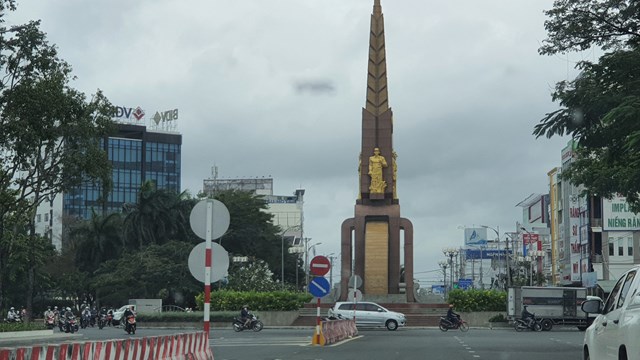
191,346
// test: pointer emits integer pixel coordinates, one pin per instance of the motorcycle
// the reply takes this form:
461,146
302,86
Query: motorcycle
71,325
446,324
85,320
130,325
50,321
521,325
254,324
102,321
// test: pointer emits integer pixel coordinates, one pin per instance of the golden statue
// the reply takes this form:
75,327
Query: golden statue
395,173
376,163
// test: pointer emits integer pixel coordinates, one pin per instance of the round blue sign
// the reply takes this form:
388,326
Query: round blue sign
319,287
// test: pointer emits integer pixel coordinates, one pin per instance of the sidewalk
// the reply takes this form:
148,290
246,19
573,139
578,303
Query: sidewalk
13,338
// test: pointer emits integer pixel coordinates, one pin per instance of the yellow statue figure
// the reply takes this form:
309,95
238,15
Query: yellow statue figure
395,173
376,163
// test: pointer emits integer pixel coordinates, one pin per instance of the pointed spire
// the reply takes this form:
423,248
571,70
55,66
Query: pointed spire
377,98
377,8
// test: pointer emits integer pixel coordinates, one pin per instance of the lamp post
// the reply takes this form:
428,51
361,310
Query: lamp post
450,252
331,257
282,254
443,265
507,260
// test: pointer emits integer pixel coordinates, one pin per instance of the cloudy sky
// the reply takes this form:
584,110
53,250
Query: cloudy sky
275,88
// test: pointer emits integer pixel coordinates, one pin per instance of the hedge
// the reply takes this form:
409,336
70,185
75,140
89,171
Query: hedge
224,300
10,327
478,300
195,316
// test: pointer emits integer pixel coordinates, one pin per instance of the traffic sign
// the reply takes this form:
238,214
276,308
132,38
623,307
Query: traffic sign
355,281
319,287
354,295
320,265
219,262
220,219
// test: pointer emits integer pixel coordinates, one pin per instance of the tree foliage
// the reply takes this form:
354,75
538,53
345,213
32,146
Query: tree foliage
576,25
600,109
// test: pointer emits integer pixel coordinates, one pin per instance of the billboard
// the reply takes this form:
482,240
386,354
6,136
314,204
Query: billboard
475,236
616,215
485,253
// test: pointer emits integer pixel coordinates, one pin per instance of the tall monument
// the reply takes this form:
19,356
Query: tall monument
371,239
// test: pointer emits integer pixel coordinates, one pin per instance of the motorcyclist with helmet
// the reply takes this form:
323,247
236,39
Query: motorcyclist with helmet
452,317
12,315
528,317
244,316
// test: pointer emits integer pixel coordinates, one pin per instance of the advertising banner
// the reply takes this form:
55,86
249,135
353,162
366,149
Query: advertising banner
616,215
484,253
475,236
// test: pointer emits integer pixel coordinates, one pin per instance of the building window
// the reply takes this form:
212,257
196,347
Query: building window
46,217
620,247
630,246
38,218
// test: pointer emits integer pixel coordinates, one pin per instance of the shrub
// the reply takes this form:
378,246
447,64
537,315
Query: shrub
196,316
225,300
7,327
478,300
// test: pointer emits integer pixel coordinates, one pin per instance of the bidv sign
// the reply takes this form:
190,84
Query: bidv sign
165,116
165,120
125,114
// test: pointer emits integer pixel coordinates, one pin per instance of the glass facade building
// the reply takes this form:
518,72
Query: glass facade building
136,156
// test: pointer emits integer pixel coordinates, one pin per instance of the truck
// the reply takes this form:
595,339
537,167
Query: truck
551,305
146,306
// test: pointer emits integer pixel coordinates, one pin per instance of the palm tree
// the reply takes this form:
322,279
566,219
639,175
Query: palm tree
98,239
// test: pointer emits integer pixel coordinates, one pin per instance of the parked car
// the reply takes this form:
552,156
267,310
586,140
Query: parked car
117,314
368,314
615,331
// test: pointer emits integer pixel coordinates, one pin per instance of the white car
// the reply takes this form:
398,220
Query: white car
368,314
615,331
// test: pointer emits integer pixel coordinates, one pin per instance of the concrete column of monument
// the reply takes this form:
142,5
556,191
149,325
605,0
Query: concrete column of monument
374,233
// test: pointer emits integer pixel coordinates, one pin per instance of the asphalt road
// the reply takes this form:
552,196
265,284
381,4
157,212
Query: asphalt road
405,343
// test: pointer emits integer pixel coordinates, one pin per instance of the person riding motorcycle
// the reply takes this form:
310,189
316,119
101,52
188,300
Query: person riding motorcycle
452,317
86,316
528,317
12,315
128,313
244,315
49,314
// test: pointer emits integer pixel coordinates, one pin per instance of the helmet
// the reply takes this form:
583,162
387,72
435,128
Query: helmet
450,305
68,308
12,308
245,306
48,307
55,308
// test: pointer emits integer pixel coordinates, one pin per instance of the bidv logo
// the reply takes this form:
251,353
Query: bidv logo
165,116
124,113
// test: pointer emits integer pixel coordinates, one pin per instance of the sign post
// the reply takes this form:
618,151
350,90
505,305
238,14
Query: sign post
319,287
209,219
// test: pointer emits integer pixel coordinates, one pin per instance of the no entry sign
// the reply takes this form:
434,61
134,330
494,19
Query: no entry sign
319,265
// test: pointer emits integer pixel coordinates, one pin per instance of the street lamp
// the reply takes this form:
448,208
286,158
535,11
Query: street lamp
450,252
507,260
443,265
282,250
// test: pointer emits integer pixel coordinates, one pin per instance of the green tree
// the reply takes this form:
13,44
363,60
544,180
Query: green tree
49,132
600,109
252,232
252,276
158,217
98,239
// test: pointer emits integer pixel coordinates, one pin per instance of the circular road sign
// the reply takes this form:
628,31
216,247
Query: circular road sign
319,287
355,281
319,265
220,219
219,262
357,295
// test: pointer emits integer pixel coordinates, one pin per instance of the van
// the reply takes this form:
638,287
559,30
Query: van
368,314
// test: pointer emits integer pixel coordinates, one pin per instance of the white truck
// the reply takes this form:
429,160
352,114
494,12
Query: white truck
552,305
